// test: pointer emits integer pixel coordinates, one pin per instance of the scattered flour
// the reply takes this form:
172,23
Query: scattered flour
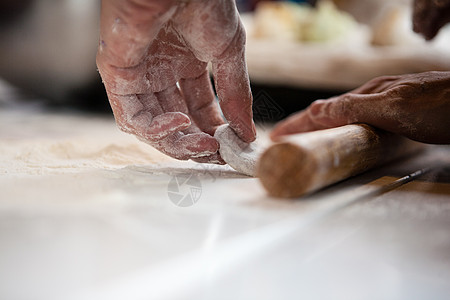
41,143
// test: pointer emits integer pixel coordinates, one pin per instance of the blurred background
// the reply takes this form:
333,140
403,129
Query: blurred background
298,51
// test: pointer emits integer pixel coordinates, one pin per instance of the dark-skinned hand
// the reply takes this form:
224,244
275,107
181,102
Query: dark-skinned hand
416,106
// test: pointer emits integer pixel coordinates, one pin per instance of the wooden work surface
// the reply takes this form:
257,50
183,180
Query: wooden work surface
85,213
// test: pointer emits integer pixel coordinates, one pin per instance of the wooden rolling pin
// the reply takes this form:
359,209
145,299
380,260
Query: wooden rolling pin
306,162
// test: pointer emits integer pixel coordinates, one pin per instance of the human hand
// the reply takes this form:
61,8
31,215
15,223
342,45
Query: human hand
416,106
153,57
429,16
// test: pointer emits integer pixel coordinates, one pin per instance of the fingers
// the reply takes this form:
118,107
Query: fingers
372,103
170,132
379,109
188,146
212,159
132,61
171,99
219,38
166,124
201,102
321,114
297,123
416,107
377,85
142,116
192,143
233,88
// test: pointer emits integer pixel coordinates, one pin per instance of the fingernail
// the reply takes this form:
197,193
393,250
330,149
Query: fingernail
315,108
274,136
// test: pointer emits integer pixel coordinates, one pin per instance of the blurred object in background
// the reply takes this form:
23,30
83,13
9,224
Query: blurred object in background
389,20
369,11
393,26
48,48
381,23
10,10
304,23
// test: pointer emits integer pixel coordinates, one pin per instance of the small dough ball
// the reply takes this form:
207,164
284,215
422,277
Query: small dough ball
239,155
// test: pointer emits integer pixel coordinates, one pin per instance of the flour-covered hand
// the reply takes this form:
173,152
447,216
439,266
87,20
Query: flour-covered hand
153,57
416,106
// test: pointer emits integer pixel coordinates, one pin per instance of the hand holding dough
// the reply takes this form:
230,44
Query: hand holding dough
240,155
153,58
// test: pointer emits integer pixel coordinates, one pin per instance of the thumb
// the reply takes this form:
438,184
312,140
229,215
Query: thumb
233,88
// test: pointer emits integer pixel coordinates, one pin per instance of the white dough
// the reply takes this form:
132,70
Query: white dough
239,155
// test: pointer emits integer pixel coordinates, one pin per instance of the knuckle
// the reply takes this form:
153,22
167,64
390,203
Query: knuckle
343,106
384,78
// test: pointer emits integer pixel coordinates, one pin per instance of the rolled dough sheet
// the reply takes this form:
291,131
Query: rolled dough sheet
239,155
